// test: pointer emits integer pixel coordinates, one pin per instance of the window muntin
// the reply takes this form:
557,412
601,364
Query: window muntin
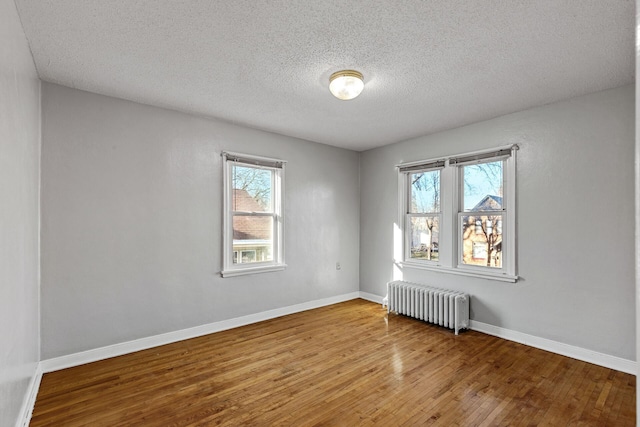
253,235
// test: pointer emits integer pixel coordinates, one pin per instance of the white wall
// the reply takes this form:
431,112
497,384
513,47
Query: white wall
131,222
575,221
19,215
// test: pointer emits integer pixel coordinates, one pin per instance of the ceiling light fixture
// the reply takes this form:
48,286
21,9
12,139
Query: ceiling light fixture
346,84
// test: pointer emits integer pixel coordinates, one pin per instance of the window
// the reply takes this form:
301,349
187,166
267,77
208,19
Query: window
253,221
458,214
482,187
423,214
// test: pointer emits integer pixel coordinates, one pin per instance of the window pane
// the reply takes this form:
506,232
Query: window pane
424,238
482,240
425,192
252,189
483,186
252,239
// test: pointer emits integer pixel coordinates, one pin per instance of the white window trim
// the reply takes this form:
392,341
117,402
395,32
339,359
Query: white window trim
450,199
229,269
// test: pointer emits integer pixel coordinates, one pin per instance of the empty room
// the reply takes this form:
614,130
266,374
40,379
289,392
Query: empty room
318,213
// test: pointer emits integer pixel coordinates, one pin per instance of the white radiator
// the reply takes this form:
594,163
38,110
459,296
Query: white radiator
439,306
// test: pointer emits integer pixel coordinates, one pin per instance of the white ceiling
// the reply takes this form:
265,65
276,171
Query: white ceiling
428,65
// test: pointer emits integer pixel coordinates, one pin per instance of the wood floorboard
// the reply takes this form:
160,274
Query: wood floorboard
342,365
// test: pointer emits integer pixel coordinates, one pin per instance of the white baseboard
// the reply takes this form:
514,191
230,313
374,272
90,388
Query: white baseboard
32,392
114,350
371,297
597,358
102,353
579,353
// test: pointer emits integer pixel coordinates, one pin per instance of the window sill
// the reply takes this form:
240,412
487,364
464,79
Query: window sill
252,270
501,277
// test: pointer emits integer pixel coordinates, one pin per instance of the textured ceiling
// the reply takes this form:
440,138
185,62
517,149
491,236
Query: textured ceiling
428,65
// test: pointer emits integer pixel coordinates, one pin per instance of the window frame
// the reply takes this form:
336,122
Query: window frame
277,168
451,212
408,215
504,213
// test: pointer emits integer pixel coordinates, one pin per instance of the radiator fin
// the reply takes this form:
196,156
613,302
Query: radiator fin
438,306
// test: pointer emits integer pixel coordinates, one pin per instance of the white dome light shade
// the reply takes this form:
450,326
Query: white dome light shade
346,84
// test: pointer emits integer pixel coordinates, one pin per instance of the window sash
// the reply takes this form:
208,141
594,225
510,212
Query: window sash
409,189
408,237
504,252
461,185
274,172
274,241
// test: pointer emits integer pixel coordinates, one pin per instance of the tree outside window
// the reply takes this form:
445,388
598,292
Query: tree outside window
483,205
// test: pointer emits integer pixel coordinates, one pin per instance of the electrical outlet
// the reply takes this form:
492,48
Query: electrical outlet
338,266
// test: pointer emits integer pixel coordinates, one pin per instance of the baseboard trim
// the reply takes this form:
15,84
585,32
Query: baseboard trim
32,392
81,358
371,297
94,355
579,353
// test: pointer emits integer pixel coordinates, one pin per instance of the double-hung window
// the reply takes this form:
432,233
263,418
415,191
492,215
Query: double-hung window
458,214
253,214
423,215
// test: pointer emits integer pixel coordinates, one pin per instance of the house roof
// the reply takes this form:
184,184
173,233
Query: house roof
489,202
243,201
249,227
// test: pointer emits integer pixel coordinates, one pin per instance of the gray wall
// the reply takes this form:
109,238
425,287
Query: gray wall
19,215
575,221
131,222
637,224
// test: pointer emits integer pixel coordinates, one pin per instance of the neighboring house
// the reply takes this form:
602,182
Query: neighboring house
251,235
482,234
489,203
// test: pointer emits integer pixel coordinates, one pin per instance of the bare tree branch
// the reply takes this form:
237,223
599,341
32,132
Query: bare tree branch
256,182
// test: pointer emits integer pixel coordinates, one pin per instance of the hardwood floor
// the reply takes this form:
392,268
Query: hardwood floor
347,364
